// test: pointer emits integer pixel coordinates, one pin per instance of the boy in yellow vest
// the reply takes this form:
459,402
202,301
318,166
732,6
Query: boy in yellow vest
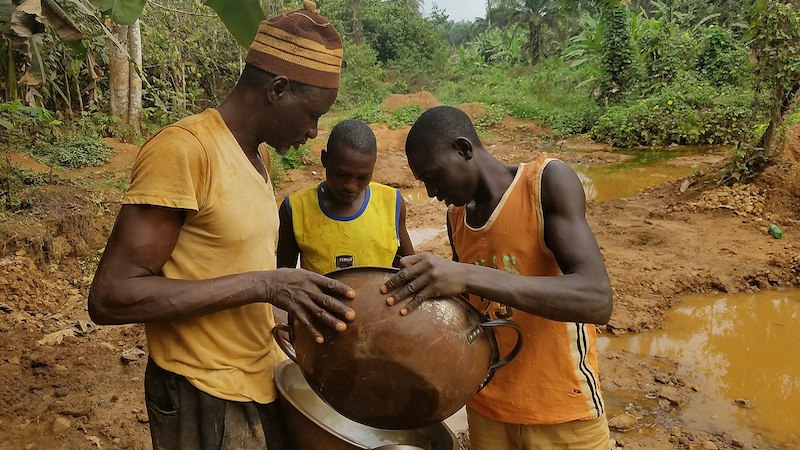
520,240
346,220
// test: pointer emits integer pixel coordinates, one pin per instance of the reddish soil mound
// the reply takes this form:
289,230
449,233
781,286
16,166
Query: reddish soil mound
473,110
423,99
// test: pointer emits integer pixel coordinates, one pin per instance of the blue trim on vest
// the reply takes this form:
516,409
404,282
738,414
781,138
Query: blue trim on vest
397,216
342,219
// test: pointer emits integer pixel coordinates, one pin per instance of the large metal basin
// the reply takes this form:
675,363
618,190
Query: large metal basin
312,424
394,372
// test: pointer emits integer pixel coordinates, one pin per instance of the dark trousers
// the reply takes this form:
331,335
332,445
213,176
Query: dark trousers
185,418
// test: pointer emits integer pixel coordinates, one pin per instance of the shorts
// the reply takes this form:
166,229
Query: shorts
184,418
488,434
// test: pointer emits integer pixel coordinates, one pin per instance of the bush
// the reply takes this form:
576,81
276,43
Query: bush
74,152
721,59
689,112
403,116
24,126
551,92
361,78
13,180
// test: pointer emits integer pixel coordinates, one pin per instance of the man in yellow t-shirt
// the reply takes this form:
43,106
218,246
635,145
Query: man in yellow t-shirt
346,220
192,251
521,243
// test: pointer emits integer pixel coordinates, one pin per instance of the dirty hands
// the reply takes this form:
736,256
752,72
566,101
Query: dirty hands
424,276
311,299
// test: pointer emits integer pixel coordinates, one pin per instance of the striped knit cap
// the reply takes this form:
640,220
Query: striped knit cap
300,45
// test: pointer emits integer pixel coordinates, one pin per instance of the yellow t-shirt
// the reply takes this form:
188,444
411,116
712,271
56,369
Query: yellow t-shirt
197,164
554,378
367,238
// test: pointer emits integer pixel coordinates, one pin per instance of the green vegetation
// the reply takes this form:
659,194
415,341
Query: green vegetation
13,182
74,152
637,73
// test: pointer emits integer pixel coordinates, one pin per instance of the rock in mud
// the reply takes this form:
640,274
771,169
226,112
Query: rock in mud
61,424
623,422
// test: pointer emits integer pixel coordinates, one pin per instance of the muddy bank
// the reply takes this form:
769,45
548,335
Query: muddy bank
65,383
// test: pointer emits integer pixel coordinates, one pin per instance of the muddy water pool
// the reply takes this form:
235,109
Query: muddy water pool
646,168
741,353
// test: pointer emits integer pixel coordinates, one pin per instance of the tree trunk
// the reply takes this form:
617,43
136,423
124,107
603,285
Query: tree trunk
774,137
11,84
119,74
358,28
134,78
535,39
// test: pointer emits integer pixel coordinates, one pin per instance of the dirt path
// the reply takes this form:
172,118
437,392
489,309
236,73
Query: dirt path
65,383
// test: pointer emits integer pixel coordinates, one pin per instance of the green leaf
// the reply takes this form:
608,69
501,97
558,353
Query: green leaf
6,124
241,18
121,12
103,5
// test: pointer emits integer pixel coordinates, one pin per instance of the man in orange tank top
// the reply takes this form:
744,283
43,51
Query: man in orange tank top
521,245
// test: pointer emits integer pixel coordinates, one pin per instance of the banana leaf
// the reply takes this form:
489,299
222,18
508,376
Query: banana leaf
241,17
121,12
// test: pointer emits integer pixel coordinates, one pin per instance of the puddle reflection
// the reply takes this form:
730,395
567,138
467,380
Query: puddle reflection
733,347
648,168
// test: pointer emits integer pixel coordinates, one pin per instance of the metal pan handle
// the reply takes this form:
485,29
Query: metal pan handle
284,343
511,355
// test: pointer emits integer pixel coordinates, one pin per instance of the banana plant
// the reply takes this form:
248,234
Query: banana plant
240,17
22,29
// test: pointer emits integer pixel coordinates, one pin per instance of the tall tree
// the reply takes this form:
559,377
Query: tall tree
617,49
536,15
775,45
124,78
358,26
414,5
533,13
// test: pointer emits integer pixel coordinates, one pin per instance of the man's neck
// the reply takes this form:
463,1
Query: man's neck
238,117
495,179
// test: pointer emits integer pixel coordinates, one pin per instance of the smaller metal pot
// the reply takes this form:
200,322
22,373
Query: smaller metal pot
398,372
313,424
398,447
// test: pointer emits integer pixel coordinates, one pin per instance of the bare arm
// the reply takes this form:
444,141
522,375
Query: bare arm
582,294
406,246
129,288
288,250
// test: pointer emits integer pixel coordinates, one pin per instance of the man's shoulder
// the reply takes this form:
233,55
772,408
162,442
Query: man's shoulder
382,189
178,132
303,192
302,199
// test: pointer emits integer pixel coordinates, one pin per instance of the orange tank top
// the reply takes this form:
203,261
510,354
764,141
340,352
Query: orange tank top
554,379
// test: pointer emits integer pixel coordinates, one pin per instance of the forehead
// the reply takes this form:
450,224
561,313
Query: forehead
342,156
427,159
319,99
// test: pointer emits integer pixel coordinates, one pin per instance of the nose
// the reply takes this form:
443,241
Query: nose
431,190
312,132
351,186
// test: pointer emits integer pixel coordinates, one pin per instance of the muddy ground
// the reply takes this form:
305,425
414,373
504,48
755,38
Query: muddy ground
66,383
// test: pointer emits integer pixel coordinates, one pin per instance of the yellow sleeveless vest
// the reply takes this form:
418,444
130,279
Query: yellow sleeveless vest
367,238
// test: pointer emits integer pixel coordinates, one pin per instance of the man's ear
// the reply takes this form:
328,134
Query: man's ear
323,156
464,147
278,87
